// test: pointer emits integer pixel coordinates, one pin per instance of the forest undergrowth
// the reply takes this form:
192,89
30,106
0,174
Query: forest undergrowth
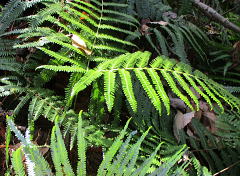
119,87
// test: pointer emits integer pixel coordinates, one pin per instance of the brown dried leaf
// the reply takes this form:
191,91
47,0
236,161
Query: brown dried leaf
79,43
43,150
188,117
170,14
163,23
204,106
145,29
178,104
180,121
198,114
212,120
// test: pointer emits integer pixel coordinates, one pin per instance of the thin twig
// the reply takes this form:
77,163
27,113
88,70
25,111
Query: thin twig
231,10
226,168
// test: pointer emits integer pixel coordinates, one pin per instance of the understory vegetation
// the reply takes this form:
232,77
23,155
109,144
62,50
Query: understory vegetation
120,87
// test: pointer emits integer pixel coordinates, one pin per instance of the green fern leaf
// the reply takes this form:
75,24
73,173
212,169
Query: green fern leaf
81,169
132,156
67,169
185,86
132,59
110,48
190,80
109,88
121,154
149,89
174,88
149,39
160,89
56,158
209,93
143,60
127,88
85,81
112,151
59,56
17,162
162,42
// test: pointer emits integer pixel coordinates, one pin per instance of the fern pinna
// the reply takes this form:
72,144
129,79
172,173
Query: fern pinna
178,76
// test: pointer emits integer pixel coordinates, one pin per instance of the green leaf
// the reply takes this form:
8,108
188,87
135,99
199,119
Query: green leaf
175,89
85,81
160,89
17,163
109,88
149,89
81,169
128,89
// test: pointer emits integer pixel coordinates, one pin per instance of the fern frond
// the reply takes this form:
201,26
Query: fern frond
179,77
185,6
121,154
162,42
174,88
185,86
12,10
36,164
81,169
56,158
17,162
67,169
232,89
132,156
112,151
205,88
145,166
94,26
21,104
59,56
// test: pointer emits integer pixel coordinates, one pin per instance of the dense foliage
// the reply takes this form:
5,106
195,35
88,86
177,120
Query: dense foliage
74,72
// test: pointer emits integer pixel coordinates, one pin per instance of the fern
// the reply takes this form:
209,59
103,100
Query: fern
93,35
228,127
85,40
17,162
173,37
32,154
81,170
168,69
218,152
185,6
12,10
43,103
37,165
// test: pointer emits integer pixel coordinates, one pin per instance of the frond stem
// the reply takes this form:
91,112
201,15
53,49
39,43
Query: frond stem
146,68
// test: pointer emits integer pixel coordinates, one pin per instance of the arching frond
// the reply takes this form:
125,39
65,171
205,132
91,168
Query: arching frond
178,76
